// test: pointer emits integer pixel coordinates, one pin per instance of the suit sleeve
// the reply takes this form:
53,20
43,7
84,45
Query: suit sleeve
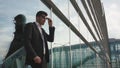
28,37
50,37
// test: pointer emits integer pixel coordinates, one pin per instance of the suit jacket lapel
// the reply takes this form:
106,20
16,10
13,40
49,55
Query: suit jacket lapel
37,30
43,33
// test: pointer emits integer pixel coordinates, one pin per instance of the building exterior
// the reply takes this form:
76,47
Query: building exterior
83,57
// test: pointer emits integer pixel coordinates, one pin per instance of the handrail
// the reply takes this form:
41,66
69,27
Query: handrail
16,60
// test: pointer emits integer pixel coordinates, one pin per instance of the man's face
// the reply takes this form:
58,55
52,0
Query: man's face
41,19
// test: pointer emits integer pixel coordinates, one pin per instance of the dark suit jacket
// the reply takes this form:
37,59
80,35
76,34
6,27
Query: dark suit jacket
34,42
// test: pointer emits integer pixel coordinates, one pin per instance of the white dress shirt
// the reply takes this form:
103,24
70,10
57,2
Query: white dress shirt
42,36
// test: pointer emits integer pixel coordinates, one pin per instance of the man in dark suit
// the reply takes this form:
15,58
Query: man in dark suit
36,41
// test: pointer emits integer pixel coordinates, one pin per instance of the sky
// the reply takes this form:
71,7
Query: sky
112,12
10,8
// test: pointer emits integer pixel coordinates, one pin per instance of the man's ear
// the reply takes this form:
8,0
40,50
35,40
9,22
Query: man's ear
37,17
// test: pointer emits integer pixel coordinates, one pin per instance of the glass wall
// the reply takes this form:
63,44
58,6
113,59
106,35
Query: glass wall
115,53
83,56
80,58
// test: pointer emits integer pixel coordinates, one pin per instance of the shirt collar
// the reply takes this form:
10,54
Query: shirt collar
38,25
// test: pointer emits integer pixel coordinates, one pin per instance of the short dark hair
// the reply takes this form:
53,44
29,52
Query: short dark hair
39,13
20,18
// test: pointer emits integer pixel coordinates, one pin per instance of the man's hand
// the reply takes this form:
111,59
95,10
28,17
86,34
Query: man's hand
49,22
37,59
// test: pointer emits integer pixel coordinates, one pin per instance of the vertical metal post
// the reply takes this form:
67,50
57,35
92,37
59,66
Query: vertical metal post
69,36
97,61
79,41
52,57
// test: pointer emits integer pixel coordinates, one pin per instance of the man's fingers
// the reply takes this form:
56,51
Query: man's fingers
37,59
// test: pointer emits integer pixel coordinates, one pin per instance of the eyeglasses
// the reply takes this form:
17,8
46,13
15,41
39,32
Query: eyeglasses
44,17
